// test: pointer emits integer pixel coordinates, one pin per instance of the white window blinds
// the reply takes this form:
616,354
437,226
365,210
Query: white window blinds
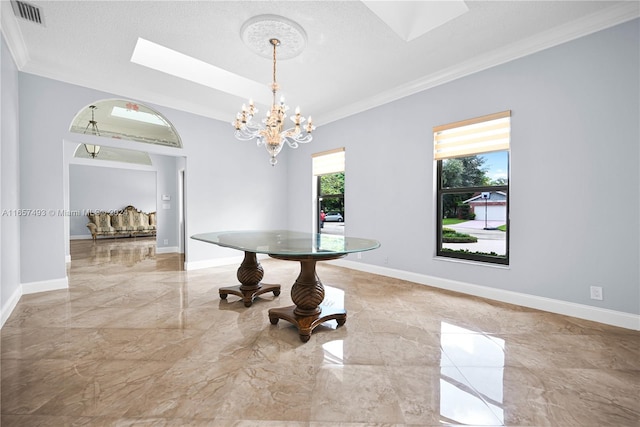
328,162
474,136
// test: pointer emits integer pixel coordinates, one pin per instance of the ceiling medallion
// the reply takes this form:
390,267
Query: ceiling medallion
257,32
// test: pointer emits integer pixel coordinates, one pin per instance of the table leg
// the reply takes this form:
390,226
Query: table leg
250,273
307,294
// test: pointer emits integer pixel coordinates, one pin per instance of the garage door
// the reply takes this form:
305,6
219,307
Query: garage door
494,213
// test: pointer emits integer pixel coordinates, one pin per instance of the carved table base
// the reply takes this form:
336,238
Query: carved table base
306,324
307,294
250,274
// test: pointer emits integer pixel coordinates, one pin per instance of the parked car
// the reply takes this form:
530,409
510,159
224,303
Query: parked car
334,216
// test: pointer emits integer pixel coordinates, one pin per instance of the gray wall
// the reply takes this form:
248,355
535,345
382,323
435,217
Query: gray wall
167,211
227,181
575,139
104,189
43,124
9,182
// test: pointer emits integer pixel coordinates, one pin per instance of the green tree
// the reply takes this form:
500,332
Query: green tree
459,173
333,204
332,192
452,173
499,181
332,184
464,172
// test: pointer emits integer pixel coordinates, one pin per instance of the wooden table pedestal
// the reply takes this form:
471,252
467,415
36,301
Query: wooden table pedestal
250,273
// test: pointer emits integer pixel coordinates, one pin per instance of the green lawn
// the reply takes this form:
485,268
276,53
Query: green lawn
452,221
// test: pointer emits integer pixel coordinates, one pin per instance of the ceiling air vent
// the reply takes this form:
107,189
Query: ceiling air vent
27,11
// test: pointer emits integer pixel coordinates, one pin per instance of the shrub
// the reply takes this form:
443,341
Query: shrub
463,211
452,236
467,251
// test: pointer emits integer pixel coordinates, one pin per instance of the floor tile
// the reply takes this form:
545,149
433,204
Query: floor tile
137,341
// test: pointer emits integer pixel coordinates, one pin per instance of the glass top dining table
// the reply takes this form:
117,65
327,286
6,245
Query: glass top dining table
307,292
289,243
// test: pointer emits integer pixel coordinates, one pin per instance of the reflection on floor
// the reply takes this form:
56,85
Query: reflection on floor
127,252
137,341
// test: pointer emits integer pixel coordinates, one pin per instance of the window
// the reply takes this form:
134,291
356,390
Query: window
328,169
472,163
124,119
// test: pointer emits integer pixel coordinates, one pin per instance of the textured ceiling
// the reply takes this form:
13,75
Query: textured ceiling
353,60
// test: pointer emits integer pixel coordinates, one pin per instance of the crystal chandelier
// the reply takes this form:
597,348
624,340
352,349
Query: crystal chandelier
271,133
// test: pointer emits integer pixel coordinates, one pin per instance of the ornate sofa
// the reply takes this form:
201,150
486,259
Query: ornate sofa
126,222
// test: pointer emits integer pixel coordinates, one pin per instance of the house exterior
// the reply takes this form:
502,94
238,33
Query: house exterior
491,206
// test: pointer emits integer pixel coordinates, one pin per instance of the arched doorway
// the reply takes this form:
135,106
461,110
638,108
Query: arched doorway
103,129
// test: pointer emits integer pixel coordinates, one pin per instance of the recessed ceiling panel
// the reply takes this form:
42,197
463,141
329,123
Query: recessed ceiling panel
153,55
412,19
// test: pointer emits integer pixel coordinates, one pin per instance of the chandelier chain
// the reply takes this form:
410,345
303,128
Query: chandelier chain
274,86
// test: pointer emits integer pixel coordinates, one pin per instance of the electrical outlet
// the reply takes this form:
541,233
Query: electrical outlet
166,241
359,255
386,260
596,293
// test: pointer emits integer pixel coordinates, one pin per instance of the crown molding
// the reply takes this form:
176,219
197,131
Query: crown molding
13,36
617,14
584,26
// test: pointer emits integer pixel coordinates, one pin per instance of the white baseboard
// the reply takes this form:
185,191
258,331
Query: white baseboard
45,285
587,312
167,249
218,262
81,237
30,288
10,305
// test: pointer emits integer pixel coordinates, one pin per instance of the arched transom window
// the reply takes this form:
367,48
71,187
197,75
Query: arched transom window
123,119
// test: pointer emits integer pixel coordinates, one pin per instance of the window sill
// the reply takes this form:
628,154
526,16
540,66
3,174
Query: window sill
471,262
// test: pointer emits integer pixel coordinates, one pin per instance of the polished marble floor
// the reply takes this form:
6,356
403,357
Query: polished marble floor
136,341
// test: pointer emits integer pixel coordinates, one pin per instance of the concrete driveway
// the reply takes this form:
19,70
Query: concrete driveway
488,240
333,228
